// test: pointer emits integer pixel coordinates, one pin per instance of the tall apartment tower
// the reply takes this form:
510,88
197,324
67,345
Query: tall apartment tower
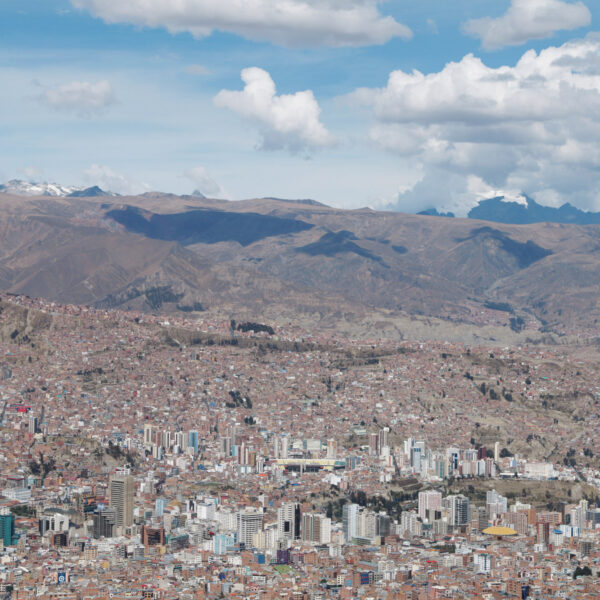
7,527
249,523
316,528
374,444
459,506
350,521
384,438
121,498
285,442
288,521
331,448
429,500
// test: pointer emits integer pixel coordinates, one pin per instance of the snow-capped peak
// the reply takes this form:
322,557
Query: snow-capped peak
19,187
26,188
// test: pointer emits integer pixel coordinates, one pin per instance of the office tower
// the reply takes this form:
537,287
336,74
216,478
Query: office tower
193,441
242,455
180,440
222,542
579,515
497,451
383,525
495,504
518,521
276,447
288,521
409,524
149,435
121,497
374,444
429,500
168,439
384,438
104,523
152,536
459,508
225,446
33,425
284,446
481,453
249,522
316,528
331,449
159,506
350,521
416,457
7,527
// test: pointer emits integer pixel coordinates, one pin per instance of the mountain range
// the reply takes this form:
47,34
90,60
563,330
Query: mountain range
497,210
19,187
501,210
362,272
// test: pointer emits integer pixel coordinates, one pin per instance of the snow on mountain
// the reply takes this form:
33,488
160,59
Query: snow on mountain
19,187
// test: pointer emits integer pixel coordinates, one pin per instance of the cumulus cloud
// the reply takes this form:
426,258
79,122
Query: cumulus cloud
82,98
534,127
109,180
205,184
284,22
528,20
286,122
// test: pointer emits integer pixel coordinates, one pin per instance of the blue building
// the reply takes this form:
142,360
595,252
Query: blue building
193,441
7,528
222,543
159,506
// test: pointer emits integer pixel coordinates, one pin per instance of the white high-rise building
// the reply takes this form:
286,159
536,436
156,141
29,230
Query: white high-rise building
249,522
350,521
288,521
331,448
284,446
121,498
459,509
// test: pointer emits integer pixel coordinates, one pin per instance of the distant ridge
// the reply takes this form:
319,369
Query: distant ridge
90,192
19,187
300,201
433,212
499,210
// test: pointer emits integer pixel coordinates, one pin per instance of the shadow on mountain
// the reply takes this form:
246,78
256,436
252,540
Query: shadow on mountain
525,253
206,226
338,242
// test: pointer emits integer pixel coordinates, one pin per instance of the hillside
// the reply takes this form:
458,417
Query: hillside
390,274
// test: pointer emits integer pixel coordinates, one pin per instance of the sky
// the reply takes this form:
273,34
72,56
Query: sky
399,104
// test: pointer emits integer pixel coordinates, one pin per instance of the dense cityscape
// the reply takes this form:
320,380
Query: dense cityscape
168,457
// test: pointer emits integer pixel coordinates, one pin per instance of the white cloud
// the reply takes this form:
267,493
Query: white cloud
80,97
286,122
110,181
534,127
528,20
205,184
284,22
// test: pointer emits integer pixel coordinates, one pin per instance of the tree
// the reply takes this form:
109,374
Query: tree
582,572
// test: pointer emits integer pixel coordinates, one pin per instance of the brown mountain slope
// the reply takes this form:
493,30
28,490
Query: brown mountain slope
358,270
